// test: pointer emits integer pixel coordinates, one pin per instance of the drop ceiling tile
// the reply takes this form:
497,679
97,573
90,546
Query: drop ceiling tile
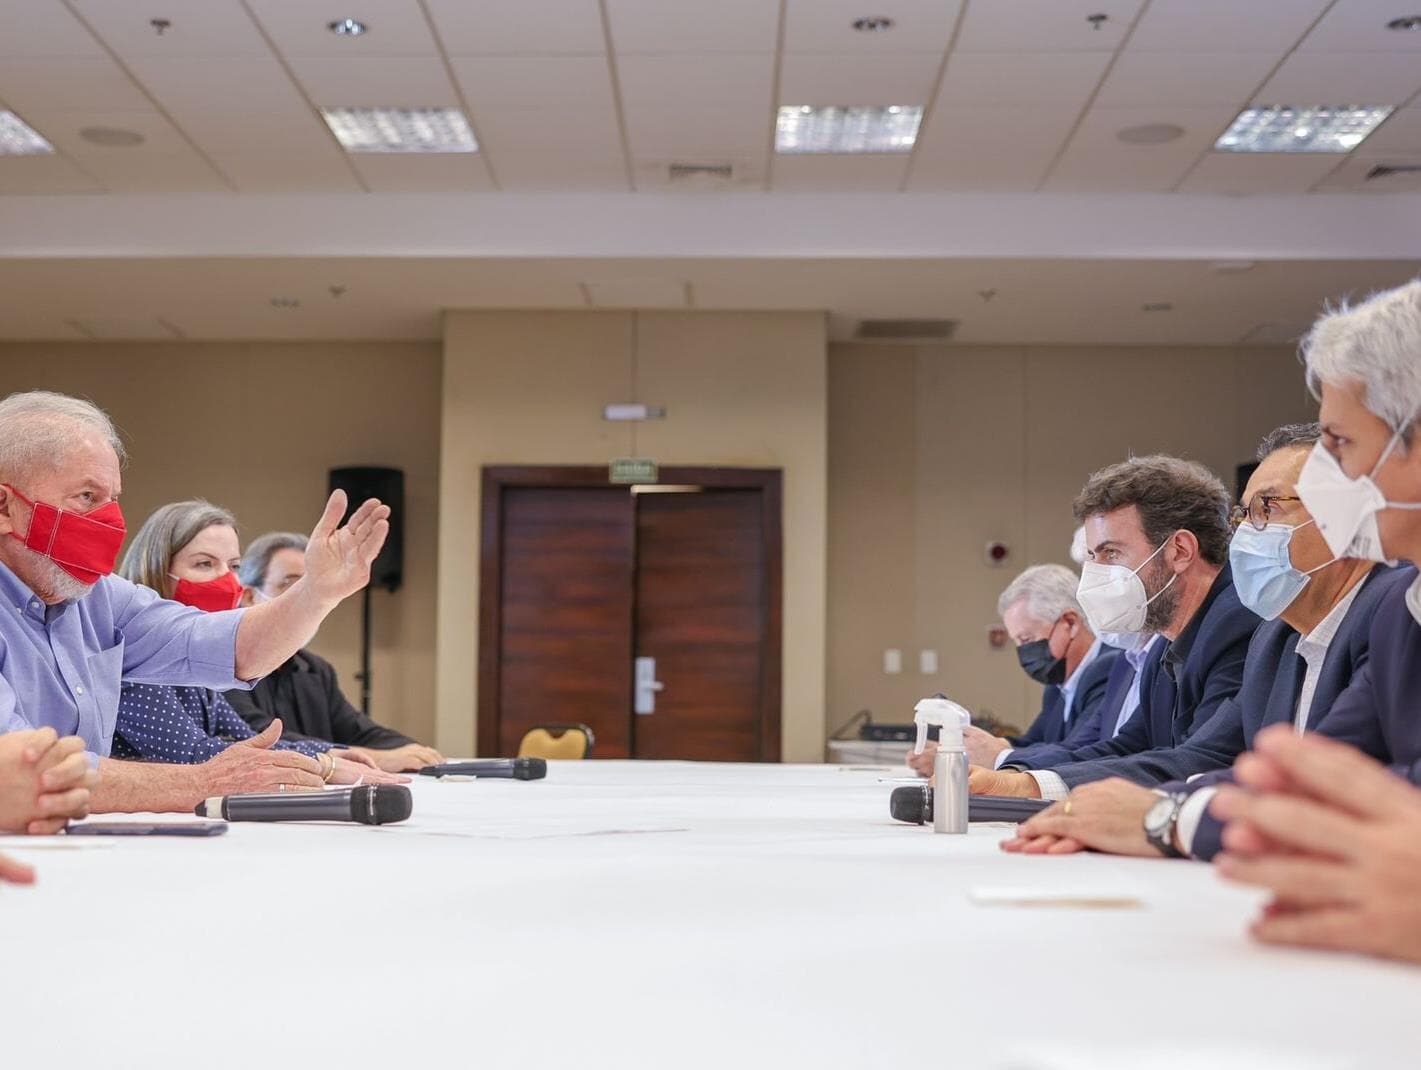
197,28
164,162
1240,173
33,28
375,81
827,26
1005,80
901,78
1184,79
1224,25
1343,78
496,27
693,26
50,173
214,99
850,174
1096,160
38,87
1360,26
411,173
697,106
1352,176
301,28
1004,149
1044,26
1401,133
535,113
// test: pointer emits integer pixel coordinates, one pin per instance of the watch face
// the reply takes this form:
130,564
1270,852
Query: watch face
1157,817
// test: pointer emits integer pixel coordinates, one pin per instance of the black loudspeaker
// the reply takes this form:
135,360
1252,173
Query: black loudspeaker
387,484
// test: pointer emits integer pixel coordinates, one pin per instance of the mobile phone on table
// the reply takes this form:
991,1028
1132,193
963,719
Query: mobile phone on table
136,828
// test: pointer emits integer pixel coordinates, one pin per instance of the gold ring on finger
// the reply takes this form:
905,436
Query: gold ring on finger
1067,808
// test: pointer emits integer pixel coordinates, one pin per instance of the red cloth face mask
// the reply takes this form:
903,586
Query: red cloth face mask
211,595
85,545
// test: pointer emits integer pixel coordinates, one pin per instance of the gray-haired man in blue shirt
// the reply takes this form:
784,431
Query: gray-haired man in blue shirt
70,632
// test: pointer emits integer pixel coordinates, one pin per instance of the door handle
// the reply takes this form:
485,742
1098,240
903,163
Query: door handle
646,686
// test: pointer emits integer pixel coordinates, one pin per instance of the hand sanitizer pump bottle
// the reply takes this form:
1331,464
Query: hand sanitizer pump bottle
950,792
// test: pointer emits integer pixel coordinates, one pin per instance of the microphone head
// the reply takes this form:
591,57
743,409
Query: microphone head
529,768
380,804
912,803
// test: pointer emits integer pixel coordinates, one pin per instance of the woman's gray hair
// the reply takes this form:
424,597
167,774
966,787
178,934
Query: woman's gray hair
252,570
149,559
38,430
1048,590
1376,344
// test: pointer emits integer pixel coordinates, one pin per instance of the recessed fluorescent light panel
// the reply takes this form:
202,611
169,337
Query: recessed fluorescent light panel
401,129
18,139
801,129
1310,129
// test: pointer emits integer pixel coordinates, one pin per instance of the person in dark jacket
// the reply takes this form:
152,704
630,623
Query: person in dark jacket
1056,648
1158,534
304,693
1305,657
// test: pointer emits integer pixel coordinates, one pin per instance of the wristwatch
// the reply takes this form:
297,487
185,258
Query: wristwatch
1160,820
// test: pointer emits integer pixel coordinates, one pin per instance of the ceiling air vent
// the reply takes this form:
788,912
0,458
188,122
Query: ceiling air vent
906,330
700,172
1387,170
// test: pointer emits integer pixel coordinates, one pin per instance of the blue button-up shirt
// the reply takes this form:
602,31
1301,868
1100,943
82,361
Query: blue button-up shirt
1137,659
185,725
63,666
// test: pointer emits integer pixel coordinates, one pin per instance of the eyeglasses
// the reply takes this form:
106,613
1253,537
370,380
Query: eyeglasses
1259,511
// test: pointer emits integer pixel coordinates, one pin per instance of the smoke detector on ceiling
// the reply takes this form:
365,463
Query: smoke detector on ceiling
906,330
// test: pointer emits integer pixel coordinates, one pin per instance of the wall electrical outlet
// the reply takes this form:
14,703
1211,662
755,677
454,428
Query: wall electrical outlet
892,662
927,662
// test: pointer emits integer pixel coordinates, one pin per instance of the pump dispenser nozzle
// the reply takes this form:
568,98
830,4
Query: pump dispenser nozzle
950,718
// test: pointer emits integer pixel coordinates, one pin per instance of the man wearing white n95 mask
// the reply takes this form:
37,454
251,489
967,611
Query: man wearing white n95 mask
1315,642
1158,535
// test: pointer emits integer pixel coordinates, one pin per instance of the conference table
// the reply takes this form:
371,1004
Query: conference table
648,914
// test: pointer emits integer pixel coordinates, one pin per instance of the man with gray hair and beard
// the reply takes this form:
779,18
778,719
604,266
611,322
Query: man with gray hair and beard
71,632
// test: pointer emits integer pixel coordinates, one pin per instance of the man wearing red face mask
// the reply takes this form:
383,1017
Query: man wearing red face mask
70,632
188,551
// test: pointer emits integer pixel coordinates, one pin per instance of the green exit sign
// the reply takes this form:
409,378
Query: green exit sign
632,470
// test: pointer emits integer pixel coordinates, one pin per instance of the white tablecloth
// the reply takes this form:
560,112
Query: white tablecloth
655,914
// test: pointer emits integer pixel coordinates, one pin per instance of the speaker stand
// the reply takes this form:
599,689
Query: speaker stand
364,674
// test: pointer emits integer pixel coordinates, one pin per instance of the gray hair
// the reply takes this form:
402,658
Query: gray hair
150,555
37,432
257,559
1289,435
1048,590
1376,344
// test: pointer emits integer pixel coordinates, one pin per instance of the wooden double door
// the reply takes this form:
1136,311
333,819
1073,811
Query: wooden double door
650,613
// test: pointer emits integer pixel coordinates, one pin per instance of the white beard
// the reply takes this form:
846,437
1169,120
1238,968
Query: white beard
54,582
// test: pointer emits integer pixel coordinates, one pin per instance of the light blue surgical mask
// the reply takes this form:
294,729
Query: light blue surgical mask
1263,572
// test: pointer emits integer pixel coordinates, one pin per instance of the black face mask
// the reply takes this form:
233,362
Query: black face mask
1039,664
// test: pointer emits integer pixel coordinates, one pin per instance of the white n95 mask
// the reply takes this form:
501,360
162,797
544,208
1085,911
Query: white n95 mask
1346,509
1114,597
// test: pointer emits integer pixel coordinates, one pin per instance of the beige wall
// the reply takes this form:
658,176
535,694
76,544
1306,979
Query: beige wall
741,389
255,427
934,451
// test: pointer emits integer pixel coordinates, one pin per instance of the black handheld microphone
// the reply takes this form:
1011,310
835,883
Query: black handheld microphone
912,803
508,768
369,804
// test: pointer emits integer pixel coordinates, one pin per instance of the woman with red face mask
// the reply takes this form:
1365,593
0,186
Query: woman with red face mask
188,551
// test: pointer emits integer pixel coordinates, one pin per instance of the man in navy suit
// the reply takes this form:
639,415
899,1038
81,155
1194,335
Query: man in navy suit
1301,662
1057,649
1158,532
1333,837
